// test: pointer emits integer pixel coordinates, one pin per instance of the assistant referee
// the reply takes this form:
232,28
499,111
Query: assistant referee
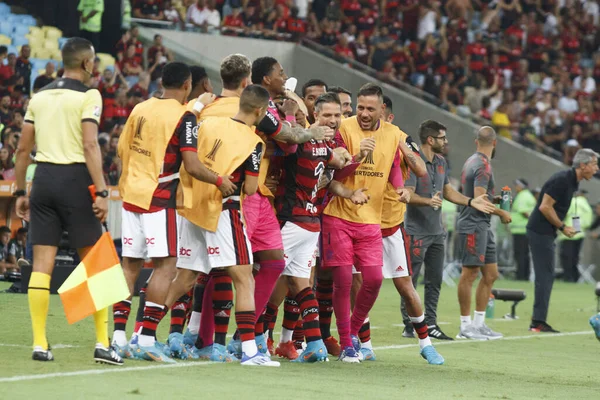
62,121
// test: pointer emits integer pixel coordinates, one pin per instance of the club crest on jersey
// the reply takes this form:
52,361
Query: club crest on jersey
216,146
369,158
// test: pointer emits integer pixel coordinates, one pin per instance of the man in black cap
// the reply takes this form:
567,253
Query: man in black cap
523,205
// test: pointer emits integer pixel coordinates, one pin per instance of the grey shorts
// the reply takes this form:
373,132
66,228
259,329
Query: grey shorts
478,248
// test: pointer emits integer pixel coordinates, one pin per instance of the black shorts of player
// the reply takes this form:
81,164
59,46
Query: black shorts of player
478,248
60,201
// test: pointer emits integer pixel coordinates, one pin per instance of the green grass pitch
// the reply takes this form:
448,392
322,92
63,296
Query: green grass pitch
521,366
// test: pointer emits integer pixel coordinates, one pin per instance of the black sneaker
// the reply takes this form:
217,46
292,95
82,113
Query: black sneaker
40,354
541,326
409,331
435,332
107,356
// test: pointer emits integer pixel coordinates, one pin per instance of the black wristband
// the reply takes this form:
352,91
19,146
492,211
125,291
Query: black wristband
469,202
562,227
20,193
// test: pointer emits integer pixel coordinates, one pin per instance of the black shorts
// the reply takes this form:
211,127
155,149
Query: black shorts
60,201
478,248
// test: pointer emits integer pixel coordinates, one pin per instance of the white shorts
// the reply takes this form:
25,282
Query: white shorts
149,235
396,260
300,249
201,250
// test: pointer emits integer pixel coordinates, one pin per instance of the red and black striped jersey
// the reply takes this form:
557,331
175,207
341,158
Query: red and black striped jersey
185,138
302,171
249,167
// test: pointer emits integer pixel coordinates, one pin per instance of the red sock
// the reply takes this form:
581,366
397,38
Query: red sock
291,313
271,318
421,329
245,321
364,334
222,302
366,296
178,313
310,314
298,335
265,281
121,312
325,298
207,319
152,315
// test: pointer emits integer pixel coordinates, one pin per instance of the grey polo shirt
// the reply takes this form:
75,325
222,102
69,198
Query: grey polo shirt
477,172
424,220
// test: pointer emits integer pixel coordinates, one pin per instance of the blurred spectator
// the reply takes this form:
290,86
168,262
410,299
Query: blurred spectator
171,13
139,91
90,20
5,111
5,235
204,15
16,247
23,67
6,70
119,110
45,79
501,122
121,46
130,66
18,119
158,47
148,9
585,82
7,168
134,33
554,134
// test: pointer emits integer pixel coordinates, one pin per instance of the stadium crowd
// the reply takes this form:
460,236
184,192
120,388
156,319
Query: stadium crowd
526,65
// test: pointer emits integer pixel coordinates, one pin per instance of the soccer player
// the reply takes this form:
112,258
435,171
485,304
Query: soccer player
235,71
214,236
310,91
345,98
62,122
424,221
351,234
298,212
200,83
476,239
160,135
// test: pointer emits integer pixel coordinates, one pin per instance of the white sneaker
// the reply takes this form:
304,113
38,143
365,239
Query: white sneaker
259,359
490,334
471,332
349,355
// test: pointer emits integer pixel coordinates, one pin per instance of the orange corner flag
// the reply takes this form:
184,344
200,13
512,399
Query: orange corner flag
96,283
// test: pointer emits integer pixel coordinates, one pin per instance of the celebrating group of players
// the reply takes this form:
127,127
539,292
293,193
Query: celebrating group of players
255,187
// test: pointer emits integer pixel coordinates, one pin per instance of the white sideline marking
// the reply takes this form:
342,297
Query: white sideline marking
532,336
102,371
21,378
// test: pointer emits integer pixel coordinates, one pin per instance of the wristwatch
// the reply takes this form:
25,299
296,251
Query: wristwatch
562,227
103,194
20,193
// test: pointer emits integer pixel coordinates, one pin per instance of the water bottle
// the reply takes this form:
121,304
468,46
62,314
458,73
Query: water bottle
489,310
506,195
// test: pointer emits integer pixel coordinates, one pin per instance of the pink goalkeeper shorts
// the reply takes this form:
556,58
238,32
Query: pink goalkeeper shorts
262,226
346,243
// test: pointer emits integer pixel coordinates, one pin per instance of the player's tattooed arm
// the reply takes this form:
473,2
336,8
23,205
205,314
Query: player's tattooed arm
415,163
299,135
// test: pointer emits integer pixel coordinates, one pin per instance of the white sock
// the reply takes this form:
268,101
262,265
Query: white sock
146,341
194,324
465,321
100,346
417,320
120,338
249,348
478,318
286,335
367,345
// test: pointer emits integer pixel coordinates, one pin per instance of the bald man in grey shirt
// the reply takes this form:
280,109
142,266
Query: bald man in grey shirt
423,222
476,243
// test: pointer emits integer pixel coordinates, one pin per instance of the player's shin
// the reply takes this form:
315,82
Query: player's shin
222,302
367,295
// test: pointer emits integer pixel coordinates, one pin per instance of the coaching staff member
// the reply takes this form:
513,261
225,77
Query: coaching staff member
547,216
62,121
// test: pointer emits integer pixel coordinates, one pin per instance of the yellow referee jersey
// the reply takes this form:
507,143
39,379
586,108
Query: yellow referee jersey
57,112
